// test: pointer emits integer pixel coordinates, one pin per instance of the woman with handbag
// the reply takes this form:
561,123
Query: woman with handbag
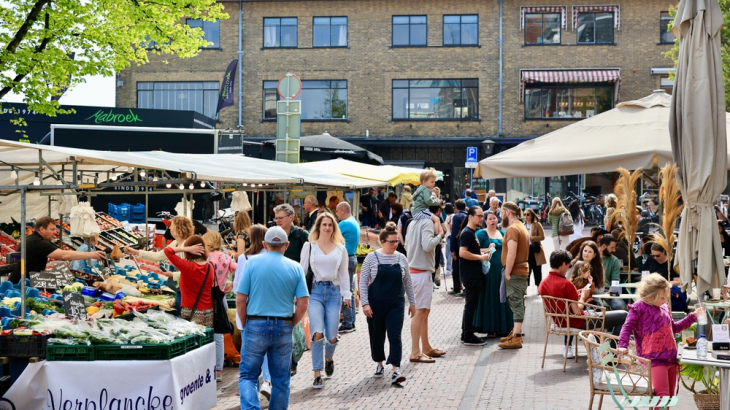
536,257
223,267
557,209
325,260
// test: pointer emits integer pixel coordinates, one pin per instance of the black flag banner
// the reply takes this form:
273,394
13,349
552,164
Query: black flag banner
225,99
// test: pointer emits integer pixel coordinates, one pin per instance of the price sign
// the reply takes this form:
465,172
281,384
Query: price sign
45,279
64,271
74,305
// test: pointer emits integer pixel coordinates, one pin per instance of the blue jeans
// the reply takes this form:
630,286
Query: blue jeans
449,259
324,316
273,339
349,313
219,351
616,304
265,375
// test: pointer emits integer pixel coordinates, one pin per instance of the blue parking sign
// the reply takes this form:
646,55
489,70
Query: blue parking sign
471,154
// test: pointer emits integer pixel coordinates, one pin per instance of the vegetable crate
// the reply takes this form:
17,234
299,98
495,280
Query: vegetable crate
192,342
23,346
70,353
207,338
162,351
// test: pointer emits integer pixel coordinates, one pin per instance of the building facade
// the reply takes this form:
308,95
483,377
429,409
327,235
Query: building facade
419,82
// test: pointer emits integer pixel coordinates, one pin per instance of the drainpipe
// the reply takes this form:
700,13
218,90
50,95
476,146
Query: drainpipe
501,41
240,63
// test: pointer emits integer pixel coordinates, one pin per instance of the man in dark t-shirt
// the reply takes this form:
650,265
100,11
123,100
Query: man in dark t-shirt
470,268
39,249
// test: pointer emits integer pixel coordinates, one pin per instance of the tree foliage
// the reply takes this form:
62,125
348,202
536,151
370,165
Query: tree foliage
37,38
673,54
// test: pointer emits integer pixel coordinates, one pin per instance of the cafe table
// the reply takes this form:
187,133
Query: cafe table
623,296
689,356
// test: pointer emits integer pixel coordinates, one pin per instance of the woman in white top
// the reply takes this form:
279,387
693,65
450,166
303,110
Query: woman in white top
326,255
579,220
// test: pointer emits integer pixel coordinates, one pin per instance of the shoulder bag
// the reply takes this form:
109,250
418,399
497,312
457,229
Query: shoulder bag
200,293
310,272
221,323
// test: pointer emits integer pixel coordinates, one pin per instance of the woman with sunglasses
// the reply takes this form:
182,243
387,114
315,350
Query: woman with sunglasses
384,278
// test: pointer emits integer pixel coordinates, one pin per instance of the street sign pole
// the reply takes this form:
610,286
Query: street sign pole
472,156
288,119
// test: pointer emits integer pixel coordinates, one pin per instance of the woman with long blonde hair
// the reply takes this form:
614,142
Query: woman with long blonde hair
241,226
326,257
556,210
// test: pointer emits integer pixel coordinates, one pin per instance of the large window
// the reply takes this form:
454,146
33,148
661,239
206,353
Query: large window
280,32
194,96
435,99
567,100
321,100
595,28
542,28
211,31
461,30
409,30
330,32
665,34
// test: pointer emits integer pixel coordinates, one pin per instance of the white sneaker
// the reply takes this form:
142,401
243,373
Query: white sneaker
266,390
569,351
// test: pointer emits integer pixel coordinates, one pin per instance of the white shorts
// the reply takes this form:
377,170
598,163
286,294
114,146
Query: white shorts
422,289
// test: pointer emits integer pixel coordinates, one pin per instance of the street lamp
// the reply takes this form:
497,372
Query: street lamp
488,147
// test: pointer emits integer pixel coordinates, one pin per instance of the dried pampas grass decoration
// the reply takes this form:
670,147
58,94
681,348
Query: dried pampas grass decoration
669,198
626,214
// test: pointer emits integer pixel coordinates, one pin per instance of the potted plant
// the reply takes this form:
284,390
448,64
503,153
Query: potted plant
706,393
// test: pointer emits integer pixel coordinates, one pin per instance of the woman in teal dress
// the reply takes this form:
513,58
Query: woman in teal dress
493,318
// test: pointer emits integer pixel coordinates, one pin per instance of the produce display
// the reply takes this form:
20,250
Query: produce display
363,250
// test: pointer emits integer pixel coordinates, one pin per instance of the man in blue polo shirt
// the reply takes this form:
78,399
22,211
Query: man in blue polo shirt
351,232
269,284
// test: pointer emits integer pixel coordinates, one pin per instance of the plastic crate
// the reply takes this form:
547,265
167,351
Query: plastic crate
70,353
23,346
192,342
207,338
162,351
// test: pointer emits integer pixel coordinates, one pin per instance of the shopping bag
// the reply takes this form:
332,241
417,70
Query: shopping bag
299,342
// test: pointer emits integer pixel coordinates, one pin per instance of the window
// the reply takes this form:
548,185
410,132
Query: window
280,32
665,34
542,28
567,100
461,30
321,100
211,31
595,28
409,30
194,96
666,84
330,32
435,99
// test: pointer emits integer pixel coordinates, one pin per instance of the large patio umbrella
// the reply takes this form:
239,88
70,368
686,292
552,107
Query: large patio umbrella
327,144
697,129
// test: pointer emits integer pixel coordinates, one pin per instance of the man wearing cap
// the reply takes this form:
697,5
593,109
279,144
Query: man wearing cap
269,284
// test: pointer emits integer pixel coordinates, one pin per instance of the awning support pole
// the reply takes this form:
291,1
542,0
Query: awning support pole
22,252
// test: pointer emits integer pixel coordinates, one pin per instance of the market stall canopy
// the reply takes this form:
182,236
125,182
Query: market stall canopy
392,174
632,135
327,144
226,168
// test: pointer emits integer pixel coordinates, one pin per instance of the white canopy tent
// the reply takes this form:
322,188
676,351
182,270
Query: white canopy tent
632,135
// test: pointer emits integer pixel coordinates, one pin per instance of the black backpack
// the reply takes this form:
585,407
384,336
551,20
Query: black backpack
405,220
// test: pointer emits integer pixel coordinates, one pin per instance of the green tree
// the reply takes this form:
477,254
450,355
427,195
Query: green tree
673,54
38,36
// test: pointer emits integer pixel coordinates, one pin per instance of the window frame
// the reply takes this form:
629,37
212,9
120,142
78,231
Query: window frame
263,33
593,85
443,32
202,28
278,98
217,91
594,43
392,92
560,28
392,25
347,31
661,41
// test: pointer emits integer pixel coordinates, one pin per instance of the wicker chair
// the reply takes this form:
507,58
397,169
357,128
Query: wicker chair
557,315
634,372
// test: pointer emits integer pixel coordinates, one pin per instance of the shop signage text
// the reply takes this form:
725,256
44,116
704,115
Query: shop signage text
101,117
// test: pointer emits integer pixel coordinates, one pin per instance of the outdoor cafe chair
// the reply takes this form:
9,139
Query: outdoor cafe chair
557,312
628,373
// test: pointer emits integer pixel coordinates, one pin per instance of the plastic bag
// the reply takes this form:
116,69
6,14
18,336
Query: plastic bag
299,342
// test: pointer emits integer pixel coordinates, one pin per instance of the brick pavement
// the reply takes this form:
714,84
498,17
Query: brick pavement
466,378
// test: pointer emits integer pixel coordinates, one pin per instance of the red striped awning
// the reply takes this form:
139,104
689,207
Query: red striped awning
563,10
570,77
615,9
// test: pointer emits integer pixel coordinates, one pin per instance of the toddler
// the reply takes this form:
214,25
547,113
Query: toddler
406,198
581,276
424,198
650,321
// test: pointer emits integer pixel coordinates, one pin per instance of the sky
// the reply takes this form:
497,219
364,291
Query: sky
96,91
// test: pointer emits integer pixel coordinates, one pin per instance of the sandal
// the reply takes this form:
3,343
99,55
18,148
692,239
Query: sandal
435,353
422,358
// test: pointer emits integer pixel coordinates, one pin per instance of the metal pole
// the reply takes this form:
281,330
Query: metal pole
22,251
501,80
146,228
724,388
240,64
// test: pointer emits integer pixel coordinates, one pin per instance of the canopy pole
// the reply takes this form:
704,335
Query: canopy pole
22,251
146,227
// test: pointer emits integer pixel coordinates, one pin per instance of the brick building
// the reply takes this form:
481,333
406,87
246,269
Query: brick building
418,82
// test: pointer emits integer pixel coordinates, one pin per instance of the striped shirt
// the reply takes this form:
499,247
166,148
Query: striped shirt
369,270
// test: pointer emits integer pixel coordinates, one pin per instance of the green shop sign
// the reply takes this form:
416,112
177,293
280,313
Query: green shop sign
101,117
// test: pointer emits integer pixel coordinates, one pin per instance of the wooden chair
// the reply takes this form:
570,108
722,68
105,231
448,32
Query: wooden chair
608,360
631,374
557,315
